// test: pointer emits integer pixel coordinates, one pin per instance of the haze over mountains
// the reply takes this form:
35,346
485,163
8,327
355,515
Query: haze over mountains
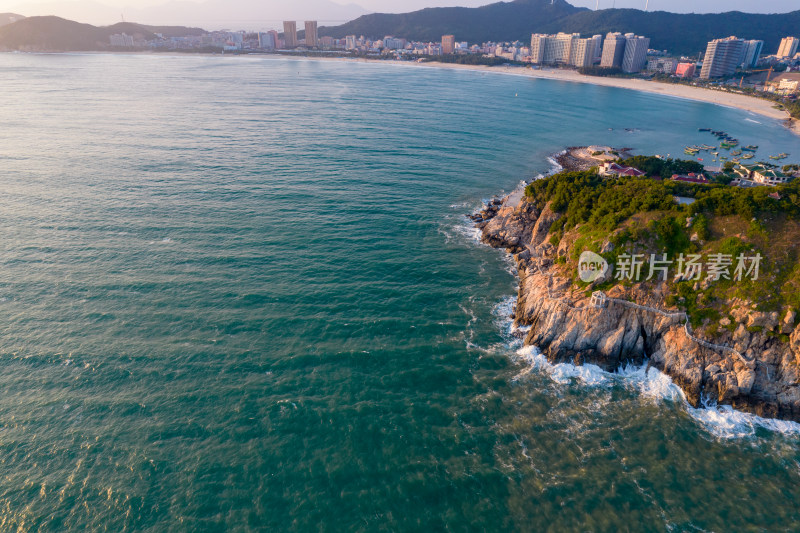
210,14
268,14
9,18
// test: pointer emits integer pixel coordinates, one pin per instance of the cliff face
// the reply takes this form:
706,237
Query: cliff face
751,368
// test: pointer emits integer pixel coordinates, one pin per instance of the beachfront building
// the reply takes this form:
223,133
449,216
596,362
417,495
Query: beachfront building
685,70
722,57
635,55
582,53
448,44
392,43
751,53
266,41
613,50
290,33
312,39
598,48
350,42
276,42
788,47
563,48
121,39
663,65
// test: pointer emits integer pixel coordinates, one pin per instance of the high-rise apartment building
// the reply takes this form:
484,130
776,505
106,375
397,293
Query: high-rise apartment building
788,47
685,70
448,44
598,47
613,50
275,39
582,53
751,53
556,49
312,39
350,42
290,33
266,41
635,56
722,57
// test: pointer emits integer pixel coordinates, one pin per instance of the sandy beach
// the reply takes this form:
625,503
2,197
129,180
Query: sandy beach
740,101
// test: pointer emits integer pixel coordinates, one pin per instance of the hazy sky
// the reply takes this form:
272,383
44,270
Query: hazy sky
266,14
697,6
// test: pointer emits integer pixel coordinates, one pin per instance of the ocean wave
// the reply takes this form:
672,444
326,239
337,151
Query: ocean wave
722,421
725,422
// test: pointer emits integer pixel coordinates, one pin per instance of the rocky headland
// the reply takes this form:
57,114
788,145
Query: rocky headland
747,358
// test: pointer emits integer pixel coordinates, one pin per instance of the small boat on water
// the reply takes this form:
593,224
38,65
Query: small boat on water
714,153
779,156
736,152
750,147
703,129
747,156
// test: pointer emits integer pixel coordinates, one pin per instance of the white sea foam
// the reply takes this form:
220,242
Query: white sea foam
562,373
722,421
751,120
725,422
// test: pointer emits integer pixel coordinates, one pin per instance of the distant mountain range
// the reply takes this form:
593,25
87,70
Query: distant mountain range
211,14
510,21
503,21
57,34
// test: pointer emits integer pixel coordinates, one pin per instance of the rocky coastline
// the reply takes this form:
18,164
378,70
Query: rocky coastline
749,365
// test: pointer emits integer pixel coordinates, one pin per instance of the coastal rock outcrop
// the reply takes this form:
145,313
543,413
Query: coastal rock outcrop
748,364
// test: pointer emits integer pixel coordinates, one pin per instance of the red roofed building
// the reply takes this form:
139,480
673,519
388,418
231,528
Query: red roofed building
613,169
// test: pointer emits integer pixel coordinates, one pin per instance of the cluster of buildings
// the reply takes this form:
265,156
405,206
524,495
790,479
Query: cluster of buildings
724,56
628,52
755,175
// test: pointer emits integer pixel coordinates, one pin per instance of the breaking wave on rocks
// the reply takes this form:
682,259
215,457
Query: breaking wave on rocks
722,421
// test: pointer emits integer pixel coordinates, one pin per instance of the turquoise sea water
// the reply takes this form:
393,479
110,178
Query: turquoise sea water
241,294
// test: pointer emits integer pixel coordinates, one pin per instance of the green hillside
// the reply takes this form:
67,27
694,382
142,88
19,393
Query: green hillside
509,21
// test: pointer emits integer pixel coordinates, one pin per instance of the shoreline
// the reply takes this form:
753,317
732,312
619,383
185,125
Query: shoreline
741,102
751,104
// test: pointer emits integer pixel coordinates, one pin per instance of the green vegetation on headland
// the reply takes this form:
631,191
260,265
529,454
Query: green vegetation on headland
629,215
